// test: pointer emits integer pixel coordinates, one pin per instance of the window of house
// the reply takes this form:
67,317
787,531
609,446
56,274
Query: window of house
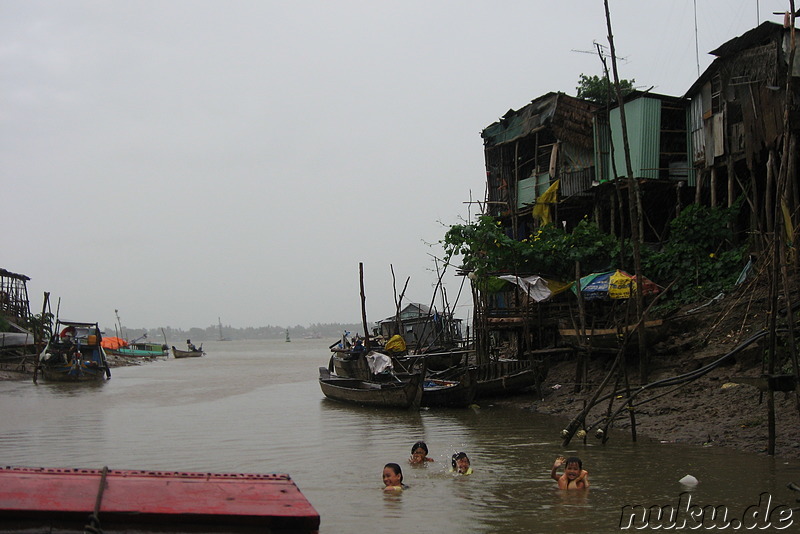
716,94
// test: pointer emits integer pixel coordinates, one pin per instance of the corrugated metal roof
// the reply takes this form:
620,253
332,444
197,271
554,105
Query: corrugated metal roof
570,119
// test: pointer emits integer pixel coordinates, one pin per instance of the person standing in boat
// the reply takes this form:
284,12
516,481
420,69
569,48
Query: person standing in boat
190,345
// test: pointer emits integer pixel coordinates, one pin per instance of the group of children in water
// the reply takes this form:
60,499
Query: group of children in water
574,476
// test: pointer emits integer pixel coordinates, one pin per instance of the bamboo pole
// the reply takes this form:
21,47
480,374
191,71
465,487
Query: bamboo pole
777,241
635,208
363,305
582,365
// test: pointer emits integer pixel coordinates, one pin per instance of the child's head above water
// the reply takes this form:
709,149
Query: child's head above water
419,445
573,467
573,460
419,453
392,476
460,462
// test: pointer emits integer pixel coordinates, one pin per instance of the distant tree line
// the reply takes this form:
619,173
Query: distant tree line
174,336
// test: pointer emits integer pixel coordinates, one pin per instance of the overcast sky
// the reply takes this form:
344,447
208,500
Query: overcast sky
182,161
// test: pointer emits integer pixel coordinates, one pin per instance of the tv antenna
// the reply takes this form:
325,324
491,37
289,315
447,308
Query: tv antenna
601,50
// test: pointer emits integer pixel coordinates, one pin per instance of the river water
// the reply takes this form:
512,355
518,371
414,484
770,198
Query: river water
256,406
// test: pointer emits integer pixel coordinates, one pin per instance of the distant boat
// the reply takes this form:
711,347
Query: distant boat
187,353
73,354
221,338
287,336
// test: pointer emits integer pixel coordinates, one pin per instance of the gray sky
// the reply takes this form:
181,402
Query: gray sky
187,160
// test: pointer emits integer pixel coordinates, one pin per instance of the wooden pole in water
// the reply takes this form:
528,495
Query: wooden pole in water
363,304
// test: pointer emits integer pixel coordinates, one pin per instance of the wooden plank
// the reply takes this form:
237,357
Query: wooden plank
607,331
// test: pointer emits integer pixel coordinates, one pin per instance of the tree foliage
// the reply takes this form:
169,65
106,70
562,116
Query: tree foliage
597,89
700,256
549,251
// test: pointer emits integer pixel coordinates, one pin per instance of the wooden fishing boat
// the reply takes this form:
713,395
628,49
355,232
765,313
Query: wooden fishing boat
458,392
121,500
187,353
455,386
391,392
73,354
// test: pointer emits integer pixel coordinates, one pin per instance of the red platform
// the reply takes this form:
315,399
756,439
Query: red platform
182,499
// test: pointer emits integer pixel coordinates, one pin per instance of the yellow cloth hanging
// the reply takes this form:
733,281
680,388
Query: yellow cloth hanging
541,210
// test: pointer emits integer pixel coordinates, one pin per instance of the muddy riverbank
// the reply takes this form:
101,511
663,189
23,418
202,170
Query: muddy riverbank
717,410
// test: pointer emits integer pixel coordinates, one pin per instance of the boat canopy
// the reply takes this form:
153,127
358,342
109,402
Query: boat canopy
113,343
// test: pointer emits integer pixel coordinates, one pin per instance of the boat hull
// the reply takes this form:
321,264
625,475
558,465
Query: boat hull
177,353
457,393
400,393
161,498
139,350
79,371
132,353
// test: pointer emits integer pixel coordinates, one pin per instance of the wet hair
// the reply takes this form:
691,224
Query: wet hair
573,460
188,340
396,468
457,456
419,445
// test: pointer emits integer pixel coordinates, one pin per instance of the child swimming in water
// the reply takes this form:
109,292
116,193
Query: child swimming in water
461,464
393,478
574,477
419,454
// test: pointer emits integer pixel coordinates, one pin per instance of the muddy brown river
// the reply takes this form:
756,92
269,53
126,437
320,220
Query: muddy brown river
254,406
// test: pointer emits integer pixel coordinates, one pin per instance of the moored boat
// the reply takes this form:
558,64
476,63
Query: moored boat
177,353
120,499
134,349
458,392
73,354
390,392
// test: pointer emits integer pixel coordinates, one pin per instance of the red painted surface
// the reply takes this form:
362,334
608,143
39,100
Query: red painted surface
163,496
